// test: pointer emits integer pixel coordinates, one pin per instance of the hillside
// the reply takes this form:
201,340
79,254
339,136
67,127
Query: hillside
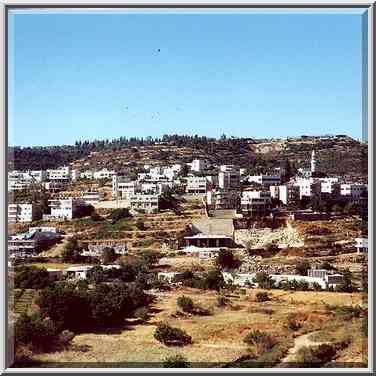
336,154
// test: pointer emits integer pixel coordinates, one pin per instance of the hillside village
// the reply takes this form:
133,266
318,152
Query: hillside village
273,239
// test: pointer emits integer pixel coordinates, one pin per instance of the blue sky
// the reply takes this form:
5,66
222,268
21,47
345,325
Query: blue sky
102,75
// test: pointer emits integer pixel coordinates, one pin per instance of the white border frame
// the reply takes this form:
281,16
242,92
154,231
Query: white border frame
277,3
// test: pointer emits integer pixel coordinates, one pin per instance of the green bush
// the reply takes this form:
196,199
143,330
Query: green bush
185,303
262,296
315,356
31,277
263,280
175,361
292,323
171,336
261,340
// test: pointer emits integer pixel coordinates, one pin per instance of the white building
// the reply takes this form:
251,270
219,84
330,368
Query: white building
265,180
66,208
55,186
23,213
361,245
330,186
144,202
289,194
309,188
255,203
118,185
60,174
103,174
229,179
353,190
196,184
79,272
313,162
239,279
92,198
87,175
199,165
169,277
274,191
222,199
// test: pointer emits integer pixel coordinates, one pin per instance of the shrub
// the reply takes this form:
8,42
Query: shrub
302,267
292,323
222,301
261,340
140,225
171,336
118,214
226,260
263,280
315,356
39,332
175,361
141,313
185,303
108,255
31,277
262,296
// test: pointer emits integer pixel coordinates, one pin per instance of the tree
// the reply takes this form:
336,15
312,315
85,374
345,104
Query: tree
95,217
108,256
185,303
352,208
140,224
346,285
302,267
171,336
72,250
119,214
175,361
67,307
263,280
214,280
337,208
226,259
31,277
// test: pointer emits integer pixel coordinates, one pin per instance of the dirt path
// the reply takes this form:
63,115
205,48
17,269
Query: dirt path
300,342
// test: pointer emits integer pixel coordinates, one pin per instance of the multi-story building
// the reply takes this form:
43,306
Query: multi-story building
38,176
221,199
92,198
361,245
330,186
229,179
353,191
103,174
60,174
255,203
199,165
274,191
144,202
119,184
265,180
87,174
23,212
289,194
55,186
196,184
66,208
310,188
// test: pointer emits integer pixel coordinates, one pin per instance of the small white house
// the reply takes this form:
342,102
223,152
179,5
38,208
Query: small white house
169,277
361,245
79,272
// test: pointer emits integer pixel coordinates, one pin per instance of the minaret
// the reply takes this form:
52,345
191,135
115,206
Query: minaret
313,162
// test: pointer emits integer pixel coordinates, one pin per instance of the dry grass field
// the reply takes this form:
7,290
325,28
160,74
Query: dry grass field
218,337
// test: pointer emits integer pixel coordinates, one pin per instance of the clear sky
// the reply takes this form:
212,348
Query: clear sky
102,75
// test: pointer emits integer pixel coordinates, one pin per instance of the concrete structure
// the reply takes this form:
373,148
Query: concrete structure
239,279
169,277
62,174
55,186
353,191
361,245
317,273
66,208
92,197
330,186
87,175
196,185
274,191
144,202
230,178
255,203
199,165
265,180
120,184
23,212
103,174
96,250
310,188
221,199
55,274
211,233
313,162
79,272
